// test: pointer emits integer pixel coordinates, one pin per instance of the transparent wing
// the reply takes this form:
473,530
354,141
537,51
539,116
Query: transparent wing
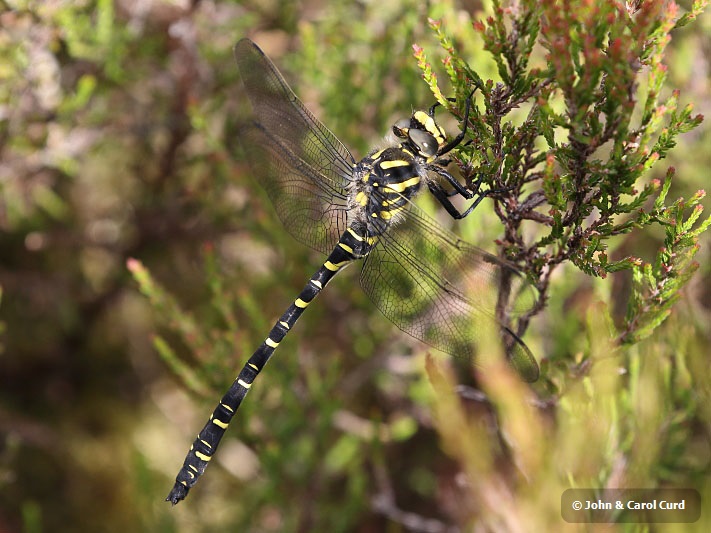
302,166
444,291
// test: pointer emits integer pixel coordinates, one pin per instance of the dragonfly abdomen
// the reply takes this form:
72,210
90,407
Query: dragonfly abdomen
352,245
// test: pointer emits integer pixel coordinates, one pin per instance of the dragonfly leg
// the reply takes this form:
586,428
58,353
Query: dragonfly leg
459,138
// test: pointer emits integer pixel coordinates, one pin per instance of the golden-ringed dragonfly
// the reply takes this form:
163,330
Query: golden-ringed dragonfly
423,278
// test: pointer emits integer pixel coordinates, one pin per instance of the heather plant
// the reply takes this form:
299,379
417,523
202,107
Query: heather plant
571,132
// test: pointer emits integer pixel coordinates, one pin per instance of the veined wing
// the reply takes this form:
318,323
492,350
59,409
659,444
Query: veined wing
303,167
444,291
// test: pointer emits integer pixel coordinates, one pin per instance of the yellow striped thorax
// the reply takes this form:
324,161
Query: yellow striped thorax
385,180
383,183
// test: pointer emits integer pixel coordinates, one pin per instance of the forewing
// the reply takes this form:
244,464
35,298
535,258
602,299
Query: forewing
444,291
303,167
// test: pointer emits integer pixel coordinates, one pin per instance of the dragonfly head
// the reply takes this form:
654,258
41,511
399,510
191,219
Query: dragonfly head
421,133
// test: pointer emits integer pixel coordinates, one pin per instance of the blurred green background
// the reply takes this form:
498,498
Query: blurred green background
117,123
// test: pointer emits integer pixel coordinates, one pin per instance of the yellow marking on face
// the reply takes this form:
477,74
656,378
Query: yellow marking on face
346,247
244,383
401,186
220,423
300,303
430,125
428,122
366,177
271,343
227,407
286,326
361,198
202,456
394,163
317,283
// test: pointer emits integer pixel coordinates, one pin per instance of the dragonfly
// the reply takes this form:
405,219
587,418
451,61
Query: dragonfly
423,278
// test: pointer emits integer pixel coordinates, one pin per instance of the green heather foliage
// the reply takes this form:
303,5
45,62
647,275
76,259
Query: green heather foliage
589,139
142,264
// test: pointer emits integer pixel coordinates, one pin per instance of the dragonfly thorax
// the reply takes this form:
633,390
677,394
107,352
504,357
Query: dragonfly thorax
385,180
383,183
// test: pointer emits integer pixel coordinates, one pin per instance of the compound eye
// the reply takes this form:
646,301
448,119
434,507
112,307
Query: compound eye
401,127
425,143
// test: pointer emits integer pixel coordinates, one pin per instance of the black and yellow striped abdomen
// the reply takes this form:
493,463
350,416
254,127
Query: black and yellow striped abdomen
354,244
384,182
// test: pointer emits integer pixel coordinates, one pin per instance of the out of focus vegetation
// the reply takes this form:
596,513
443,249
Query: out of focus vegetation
117,123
